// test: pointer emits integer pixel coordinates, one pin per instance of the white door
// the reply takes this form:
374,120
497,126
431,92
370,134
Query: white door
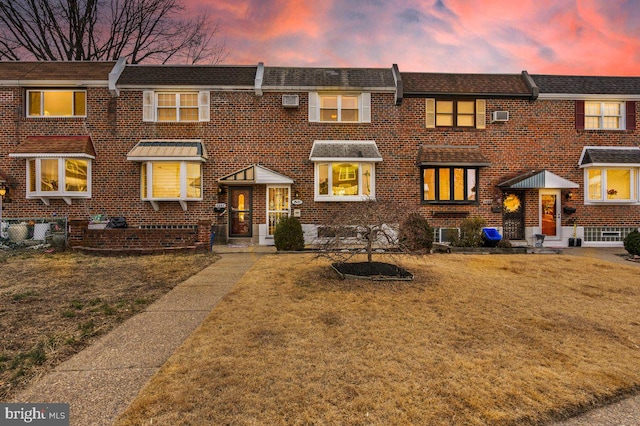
550,217
278,205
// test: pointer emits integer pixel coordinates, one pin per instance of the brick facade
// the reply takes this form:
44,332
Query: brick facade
246,128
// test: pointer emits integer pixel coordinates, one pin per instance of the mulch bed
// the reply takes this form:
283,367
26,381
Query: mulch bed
372,271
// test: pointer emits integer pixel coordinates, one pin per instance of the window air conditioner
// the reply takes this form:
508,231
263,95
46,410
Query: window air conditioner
499,116
290,101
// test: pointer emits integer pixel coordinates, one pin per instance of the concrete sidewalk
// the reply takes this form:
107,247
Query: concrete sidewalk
102,380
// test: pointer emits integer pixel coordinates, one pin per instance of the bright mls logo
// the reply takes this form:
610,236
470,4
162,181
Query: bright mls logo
34,414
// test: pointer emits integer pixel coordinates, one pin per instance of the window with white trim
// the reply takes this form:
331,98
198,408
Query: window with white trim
58,178
340,107
171,181
455,113
604,115
348,181
56,103
610,185
176,106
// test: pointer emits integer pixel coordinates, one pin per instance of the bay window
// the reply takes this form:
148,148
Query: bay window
337,181
58,178
449,185
610,184
171,181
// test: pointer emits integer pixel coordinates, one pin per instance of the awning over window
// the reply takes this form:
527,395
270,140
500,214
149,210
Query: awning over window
255,174
352,151
447,155
537,179
608,156
163,150
55,146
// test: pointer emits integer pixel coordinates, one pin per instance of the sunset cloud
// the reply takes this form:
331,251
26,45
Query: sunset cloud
587,37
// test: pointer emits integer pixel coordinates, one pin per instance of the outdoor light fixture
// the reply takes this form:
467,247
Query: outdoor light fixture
569,195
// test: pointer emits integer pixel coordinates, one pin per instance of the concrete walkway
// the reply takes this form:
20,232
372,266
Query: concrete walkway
102,380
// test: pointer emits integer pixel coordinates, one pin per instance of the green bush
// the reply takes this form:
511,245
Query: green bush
288,235
415,233
470,232
632,243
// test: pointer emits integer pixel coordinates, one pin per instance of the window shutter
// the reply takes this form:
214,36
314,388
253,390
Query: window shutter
148,107
481,114
430,113
579,114
204,113
365,99
631,115
314,107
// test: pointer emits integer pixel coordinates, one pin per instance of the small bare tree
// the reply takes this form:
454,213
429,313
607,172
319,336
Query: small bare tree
364,226
74,30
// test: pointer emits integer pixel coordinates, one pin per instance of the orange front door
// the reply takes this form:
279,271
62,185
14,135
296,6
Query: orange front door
550,213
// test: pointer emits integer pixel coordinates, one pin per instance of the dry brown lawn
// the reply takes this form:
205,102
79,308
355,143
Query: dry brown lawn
473,340
53,305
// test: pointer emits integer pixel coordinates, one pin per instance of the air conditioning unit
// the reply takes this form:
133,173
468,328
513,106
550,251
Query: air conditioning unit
499,116
290,101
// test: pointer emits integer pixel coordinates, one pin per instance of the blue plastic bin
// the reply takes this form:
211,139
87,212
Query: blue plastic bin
491,237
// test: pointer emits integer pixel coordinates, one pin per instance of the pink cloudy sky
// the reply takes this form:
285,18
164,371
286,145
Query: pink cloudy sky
586,37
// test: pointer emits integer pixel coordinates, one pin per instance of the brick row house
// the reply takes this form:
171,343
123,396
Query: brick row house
234,148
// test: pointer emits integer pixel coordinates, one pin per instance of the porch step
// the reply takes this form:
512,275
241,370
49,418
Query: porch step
519,243
240,242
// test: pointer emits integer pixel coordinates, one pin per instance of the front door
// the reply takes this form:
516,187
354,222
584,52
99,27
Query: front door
513,215
550,213
240,222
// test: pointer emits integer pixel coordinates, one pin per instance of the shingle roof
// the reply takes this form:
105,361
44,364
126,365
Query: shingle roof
587,85
55,145
451,155
328,77
345,150
56,70
611,156
463,84
187,75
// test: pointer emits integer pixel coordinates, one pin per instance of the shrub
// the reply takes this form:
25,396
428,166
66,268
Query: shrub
632,243
288,235
470,232
415,233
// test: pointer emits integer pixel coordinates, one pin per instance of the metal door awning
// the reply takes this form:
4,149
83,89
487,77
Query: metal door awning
537,179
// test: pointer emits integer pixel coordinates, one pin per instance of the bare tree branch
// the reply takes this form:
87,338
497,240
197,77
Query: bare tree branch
140,30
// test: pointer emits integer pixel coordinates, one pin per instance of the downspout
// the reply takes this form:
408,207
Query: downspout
259,78
398,81
114,75
535,90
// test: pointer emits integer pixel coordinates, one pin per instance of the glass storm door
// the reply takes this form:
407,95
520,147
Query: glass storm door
240,211
550,213
277,206
513,215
